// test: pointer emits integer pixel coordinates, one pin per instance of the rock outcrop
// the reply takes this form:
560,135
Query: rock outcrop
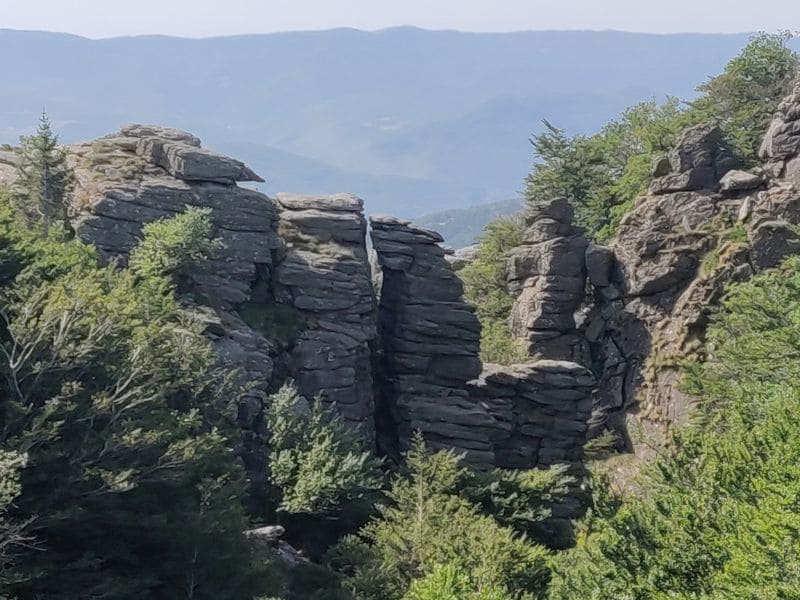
122,185
324,275
782,141
547,274
292,294
522,416
698,162
543,408
431,342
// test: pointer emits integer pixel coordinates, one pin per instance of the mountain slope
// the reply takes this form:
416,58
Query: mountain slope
421,120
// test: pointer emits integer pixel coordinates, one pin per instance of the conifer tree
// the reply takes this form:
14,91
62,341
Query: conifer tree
44,179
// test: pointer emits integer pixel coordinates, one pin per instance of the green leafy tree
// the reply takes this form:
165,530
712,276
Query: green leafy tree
13,537
602,174
44,179
171,244
448,583
744,97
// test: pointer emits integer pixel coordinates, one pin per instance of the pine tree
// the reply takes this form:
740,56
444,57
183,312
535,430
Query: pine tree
44,179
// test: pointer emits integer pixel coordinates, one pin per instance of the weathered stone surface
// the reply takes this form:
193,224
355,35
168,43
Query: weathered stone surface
462,257
698,162
782,140
9,159
193,163
430,340
738,181
324,274
548,274
792,172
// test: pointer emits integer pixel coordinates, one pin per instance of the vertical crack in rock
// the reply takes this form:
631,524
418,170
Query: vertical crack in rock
431,342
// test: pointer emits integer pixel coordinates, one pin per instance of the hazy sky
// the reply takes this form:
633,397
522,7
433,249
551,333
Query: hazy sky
103,18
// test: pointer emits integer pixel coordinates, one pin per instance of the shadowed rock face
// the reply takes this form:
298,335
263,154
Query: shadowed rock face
698,162
517,417
431,342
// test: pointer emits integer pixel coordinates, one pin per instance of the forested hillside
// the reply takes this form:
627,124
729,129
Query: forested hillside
203,397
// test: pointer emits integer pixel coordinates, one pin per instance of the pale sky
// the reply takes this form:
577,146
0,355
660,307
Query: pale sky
200,18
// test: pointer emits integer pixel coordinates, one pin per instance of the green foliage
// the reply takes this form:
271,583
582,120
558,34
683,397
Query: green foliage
316,460
110,390
13,538
744,97
603,174
280,323
44,179
719,516
448,583
170,244
519,499
426,524
606,171
485,288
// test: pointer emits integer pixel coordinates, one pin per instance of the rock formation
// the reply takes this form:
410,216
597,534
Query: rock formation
431,342
291,295
516,417
652,292
324,275
547,274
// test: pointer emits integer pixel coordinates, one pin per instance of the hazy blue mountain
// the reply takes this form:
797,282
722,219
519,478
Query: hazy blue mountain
462,227
414,121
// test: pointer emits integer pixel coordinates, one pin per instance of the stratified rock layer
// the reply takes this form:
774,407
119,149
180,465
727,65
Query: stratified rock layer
547,274
431,342
542,408
325,275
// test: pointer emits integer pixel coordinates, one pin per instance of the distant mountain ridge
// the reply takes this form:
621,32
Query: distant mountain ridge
414,121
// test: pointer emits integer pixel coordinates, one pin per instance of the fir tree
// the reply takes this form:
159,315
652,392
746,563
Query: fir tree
44,179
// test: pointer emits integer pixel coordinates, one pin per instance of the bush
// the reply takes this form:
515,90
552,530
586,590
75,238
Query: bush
110,390
426,524
485,288
317,461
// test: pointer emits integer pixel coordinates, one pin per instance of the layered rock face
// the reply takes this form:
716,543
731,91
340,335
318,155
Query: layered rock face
324,274
542,409
431,342
517,417
547,274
